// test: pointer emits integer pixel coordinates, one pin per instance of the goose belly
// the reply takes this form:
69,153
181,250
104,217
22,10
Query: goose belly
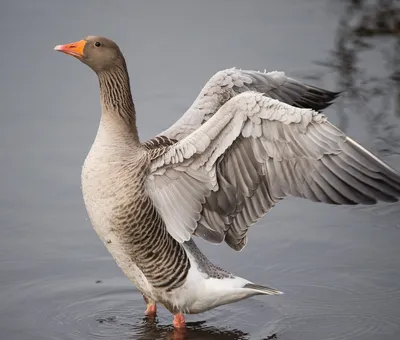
131,228
107,232
101,199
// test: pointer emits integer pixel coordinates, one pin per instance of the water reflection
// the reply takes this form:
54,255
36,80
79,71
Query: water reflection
365,61
91,311
149,329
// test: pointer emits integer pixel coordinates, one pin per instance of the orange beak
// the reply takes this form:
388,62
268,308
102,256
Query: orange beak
75,49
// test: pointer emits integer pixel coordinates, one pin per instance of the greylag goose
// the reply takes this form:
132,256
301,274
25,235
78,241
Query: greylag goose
249,140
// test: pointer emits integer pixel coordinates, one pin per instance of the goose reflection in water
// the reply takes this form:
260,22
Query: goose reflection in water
150,329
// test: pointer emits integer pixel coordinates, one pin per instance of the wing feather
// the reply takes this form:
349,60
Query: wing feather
228,83
224,176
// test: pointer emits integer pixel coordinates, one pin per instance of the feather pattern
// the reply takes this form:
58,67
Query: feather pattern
228,83
250,154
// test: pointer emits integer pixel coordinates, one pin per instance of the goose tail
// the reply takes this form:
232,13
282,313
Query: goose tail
262,290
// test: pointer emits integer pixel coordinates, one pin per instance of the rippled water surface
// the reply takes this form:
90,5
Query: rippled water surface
339,266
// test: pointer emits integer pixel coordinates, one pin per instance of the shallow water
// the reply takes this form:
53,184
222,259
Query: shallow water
339,266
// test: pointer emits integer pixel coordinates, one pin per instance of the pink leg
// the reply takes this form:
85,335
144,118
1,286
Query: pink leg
151,310
151,307
179,321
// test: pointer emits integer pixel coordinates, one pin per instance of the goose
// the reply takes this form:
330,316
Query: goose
249,140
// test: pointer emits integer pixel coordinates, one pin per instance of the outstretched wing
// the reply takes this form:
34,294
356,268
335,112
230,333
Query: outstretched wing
224,176
228,83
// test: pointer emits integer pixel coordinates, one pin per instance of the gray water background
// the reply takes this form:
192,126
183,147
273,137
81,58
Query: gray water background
339,266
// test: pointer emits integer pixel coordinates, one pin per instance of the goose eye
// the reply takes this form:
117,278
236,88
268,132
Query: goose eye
97,44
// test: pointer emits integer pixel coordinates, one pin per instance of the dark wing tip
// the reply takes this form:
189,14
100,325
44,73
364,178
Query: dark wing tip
316,98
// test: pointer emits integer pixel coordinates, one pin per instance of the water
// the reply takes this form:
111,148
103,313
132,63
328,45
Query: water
339,266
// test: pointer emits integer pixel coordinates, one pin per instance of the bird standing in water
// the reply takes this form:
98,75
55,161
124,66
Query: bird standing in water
249,140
